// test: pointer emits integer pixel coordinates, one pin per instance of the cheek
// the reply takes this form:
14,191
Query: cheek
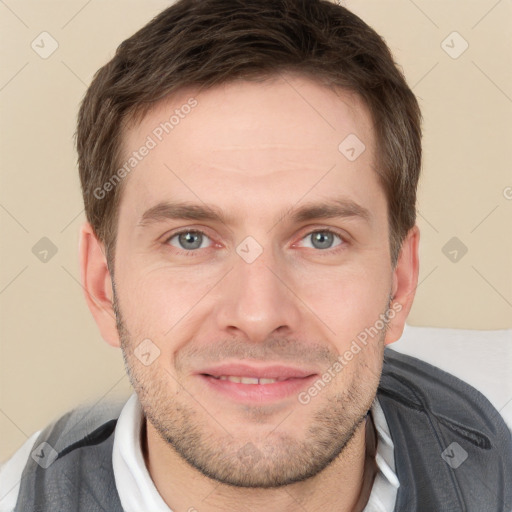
346,300
156,300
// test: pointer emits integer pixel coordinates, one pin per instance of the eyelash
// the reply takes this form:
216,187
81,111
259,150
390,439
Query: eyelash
324,252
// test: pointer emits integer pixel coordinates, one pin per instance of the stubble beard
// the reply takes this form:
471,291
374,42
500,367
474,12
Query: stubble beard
232,455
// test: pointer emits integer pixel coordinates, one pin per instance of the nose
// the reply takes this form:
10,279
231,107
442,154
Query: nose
257,299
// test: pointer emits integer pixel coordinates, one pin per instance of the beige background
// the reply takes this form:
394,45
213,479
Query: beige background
52,356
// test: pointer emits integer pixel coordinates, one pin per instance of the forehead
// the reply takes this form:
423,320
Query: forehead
266,141
225,117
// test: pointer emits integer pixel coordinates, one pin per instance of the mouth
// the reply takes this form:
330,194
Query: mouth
252,384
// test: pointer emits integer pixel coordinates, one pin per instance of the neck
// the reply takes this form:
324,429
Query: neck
344,486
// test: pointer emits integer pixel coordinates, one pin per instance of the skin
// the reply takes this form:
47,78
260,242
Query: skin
254,151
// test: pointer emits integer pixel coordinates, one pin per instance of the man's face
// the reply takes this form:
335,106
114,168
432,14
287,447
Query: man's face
204,296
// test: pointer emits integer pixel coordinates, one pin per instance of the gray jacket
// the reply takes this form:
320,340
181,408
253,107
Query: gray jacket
453,451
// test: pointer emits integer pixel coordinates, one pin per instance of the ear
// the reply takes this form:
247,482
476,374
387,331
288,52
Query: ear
97,284
405,281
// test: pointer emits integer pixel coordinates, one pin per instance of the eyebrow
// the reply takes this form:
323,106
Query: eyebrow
329,209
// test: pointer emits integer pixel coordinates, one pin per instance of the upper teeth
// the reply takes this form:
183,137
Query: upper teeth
246,380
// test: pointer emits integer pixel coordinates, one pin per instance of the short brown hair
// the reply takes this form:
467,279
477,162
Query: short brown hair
210,42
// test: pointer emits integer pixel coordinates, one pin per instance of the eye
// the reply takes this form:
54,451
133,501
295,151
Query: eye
189,240
322,239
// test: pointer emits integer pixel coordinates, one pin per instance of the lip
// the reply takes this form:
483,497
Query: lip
293,381
263,372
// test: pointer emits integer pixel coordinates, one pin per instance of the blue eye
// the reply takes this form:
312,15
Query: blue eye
189,240
323,239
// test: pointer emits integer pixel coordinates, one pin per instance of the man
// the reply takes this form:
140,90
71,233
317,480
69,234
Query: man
249,172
